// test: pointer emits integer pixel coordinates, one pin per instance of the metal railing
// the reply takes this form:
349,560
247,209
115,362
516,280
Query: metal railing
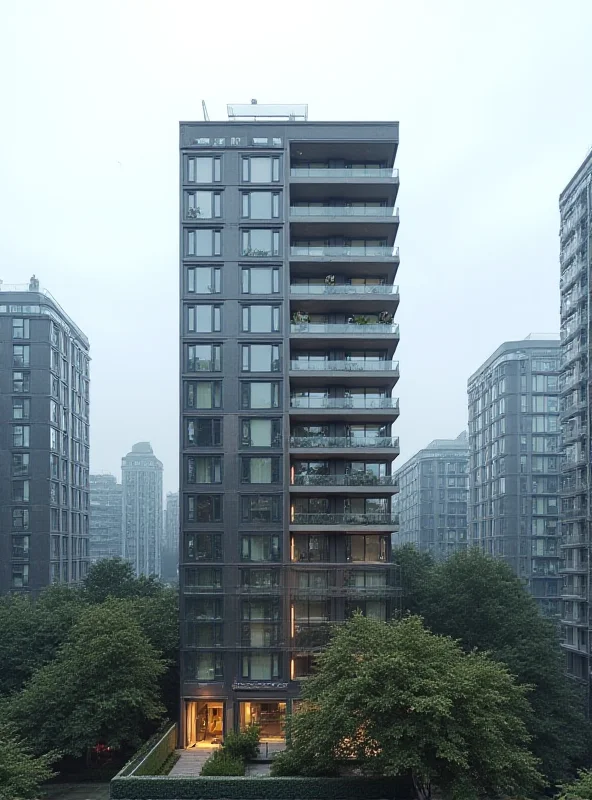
344,288
353,479
344,402
344,172
344,441
344,519
344,366
344,211
26,287
334,328
349,251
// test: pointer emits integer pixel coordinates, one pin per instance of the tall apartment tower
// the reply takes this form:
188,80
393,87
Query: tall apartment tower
575,206
514,464
287,341
170,539
433,498
106,517
141,476
44,442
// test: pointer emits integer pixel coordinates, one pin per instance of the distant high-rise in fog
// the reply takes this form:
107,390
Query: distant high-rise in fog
142,509
170,539
106,517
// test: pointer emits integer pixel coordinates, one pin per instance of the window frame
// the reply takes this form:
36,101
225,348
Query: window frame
275,509
191,242
215,285
192,508
275,360
215,395
247,172
215,424
246,318
215,467
248,251
190,211
216,169
246,279
25,327
246,396
275,470
247,205
191,318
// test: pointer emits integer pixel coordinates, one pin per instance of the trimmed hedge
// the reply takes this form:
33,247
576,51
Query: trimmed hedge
159,746
264,788
223,763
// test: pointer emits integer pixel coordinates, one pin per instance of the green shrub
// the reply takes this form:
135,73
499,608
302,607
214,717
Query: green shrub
222,763
243,744
580,789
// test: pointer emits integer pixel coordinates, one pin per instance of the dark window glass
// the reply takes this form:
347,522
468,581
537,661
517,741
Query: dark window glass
204,508
262,508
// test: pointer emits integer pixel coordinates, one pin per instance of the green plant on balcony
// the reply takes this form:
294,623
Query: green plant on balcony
361,319
385,317
300,317
194,213
255,252
329,280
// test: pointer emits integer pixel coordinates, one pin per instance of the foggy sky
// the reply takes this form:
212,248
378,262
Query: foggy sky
493,100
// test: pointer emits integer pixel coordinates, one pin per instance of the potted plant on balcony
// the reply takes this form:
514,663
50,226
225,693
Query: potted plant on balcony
361,319
385,317
329,280
300,318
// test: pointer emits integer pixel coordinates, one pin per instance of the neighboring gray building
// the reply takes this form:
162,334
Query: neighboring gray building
106,517
433,497
287,341
44,442
141,477
575,206
514,463
170,539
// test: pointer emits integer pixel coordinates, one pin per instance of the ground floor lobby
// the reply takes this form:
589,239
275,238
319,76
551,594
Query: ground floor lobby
206,721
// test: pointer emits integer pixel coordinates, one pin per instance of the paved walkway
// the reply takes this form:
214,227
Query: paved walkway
191,761
76,791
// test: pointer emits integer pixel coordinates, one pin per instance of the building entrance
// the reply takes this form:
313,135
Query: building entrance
204,723
270,716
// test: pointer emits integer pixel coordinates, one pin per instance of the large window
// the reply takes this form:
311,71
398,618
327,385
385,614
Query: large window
20,576
260,242
203,169
261,205
204,318
20,328
202,547
21,408
260,547
20,355
20,436
20,464
260,280
203,280
254,580
261,357
203,394
204,358
20,519
21,382
21,547
200,432
261,433
202,205
370,547
204,242
310,548
261,470
261,508
261,319
260,666
20,491
204,508
374,609
261,169
260,394
203,469
202,578
203,667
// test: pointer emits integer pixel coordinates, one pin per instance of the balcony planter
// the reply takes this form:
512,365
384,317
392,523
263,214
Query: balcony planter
385,317
330,280
300,317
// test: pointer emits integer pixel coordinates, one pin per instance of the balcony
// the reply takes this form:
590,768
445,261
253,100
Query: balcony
311,635
573,593
383,522
350,408
360,483
350,212
384,446
340,252
345,297
372,373
353,173
357,335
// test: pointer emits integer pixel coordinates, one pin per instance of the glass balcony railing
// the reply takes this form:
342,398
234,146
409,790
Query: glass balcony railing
338,328
345,288
353,479
344,366
348,251
344,441
344,402
344,211
344,172
311,635
345,519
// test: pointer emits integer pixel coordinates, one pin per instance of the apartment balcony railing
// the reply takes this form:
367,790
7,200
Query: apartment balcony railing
312,635
344,366
350,328
344,211
574,541
347,251
344,402
353,479
344,441
322,289
345,519
574,591
344,172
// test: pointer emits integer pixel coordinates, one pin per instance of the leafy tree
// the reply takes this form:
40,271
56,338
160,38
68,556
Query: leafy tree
31,631
416,568
101,687
401,701
21,773
580,789
114,577
479,601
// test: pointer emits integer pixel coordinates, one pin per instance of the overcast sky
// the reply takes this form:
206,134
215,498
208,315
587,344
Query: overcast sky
493,100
